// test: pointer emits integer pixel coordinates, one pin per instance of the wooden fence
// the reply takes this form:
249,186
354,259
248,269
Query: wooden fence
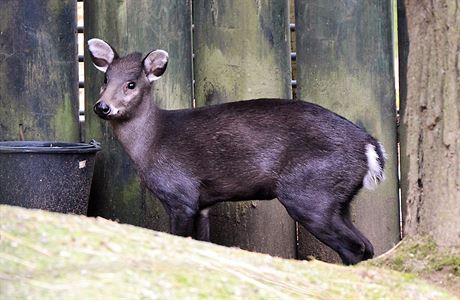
236,50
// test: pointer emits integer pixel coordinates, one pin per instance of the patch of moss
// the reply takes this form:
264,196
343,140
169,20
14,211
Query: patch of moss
450,261
425,248
422,257
398,264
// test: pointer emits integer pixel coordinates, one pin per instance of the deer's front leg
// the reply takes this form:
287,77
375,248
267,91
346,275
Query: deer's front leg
178,193
182,221
202,226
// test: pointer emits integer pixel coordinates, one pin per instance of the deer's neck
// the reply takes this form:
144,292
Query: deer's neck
138,134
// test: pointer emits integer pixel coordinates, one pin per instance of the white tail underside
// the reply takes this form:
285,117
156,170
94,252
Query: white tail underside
375,172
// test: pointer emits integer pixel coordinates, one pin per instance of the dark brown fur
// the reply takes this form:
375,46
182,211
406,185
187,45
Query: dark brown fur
311,159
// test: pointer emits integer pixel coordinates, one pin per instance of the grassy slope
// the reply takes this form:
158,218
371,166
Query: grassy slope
52,256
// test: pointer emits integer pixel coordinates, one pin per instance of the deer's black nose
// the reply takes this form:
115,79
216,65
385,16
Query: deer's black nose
102,109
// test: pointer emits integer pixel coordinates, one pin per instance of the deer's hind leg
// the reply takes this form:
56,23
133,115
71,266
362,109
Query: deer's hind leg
317,198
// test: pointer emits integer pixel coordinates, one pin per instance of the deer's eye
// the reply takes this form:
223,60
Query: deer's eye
131,85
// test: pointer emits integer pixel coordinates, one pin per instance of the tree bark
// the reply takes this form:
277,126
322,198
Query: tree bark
430,133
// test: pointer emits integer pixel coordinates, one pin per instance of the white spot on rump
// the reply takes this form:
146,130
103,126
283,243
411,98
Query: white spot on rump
375,172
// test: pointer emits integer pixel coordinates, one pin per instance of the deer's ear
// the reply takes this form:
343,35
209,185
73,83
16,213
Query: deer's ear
155,64
102,54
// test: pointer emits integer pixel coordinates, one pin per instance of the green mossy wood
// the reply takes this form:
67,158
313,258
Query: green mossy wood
242,52
344,63
132,25
38,70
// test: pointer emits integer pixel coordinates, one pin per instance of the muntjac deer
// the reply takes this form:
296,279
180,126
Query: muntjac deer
311,159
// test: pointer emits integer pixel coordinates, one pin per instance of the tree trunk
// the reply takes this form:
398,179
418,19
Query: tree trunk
430,133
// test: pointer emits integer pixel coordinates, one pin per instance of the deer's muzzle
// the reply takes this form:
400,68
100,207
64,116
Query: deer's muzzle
102,109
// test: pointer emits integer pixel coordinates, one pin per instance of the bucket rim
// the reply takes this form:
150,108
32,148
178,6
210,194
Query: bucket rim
48,147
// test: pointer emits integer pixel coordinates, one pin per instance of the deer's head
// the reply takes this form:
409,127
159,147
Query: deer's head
127,79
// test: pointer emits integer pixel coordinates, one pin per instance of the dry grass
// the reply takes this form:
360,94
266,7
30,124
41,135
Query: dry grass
52,256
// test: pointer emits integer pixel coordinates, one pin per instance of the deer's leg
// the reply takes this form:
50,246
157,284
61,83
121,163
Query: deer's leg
369,249
321,217
316,196
182,221
189,222
202,226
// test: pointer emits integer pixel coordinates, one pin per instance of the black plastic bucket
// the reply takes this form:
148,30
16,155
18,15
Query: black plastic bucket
54,176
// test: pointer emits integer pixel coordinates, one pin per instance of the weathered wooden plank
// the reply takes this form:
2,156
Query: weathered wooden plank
133,25
38,70
242,52
344,62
